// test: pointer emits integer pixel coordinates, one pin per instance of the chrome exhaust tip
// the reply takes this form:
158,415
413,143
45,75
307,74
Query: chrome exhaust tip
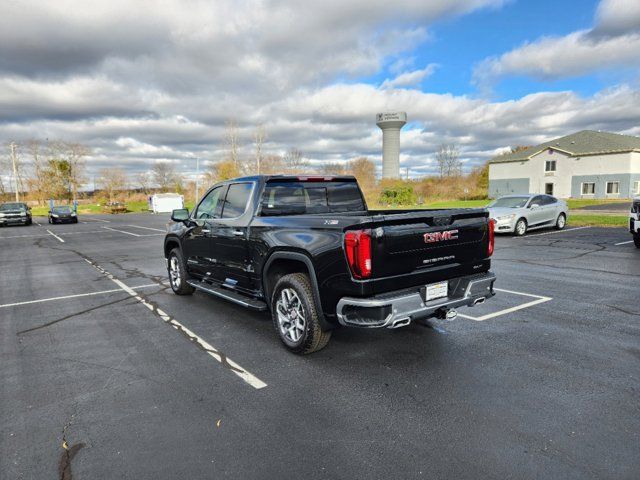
400,322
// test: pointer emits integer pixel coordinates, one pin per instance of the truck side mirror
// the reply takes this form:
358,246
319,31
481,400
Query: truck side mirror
180,215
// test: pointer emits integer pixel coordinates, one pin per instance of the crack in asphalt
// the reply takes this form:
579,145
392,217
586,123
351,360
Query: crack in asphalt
73,315
64,465
145,300
623,310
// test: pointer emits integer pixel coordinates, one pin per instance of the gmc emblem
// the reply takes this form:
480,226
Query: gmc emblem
440,236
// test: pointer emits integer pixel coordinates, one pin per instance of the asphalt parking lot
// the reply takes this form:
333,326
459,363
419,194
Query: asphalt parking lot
105,373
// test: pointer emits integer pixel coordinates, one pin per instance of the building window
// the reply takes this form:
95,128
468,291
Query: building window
613,188
589,188
636,188
550,166
548,188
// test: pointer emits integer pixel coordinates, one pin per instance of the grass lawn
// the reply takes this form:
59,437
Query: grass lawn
597,220
579,220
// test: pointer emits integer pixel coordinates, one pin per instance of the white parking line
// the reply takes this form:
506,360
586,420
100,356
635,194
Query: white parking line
556,231
146,228
249,378
122,231
539,299
624,243
51,233
133,234
65,297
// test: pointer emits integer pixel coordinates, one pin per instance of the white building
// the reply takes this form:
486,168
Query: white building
586,164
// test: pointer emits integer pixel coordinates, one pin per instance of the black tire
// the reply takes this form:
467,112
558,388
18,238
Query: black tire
636,239
178,284
561,221
29,222
75,220
312,338
519,232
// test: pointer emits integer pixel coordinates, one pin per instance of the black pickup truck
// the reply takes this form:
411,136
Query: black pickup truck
307,249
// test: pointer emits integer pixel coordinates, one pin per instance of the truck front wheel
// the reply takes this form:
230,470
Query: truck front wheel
178,275
636,239
295,315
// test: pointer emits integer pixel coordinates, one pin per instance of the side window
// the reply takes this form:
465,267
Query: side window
547,200
537,200
209,206
236,201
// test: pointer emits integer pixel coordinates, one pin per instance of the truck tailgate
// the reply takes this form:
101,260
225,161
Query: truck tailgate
428,245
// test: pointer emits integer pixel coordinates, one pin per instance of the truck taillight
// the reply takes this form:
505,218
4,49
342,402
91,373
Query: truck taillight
357,245
492,237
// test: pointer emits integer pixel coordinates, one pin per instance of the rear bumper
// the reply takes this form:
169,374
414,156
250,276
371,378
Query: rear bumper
400,308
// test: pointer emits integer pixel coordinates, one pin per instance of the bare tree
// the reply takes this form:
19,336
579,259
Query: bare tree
448,158
39,179
143,182
113,180
333,168
272,164
365,171
231,139
259,138
163,174
294,161
74,155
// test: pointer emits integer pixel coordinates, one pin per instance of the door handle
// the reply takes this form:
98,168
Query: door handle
205,230
238,233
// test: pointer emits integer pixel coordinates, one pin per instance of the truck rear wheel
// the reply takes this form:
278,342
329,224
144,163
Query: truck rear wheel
178,275
636,239
295,315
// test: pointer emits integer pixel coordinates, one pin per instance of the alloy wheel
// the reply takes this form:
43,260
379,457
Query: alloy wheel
291,318
561,221
174,272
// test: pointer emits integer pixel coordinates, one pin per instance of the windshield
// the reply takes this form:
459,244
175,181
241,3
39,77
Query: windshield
510,202
12,206
63,209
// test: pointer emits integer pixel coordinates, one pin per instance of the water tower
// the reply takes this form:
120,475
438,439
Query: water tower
391,123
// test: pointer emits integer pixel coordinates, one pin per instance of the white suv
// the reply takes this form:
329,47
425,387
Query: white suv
634,221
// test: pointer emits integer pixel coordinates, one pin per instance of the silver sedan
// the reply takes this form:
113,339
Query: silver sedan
521,213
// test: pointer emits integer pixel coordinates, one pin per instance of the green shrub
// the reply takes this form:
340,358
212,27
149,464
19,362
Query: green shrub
398,195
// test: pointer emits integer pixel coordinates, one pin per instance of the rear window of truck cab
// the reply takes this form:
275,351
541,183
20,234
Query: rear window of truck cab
306,197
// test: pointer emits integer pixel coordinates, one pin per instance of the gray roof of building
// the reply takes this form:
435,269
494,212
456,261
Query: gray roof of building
585,142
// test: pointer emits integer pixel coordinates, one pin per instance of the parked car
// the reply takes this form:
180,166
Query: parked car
62,214
634,221
15,213
308,250
520,213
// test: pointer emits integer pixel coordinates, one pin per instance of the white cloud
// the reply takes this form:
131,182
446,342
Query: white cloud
144,81
613,42
410,79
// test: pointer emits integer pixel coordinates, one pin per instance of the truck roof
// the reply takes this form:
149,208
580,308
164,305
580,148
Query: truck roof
302,177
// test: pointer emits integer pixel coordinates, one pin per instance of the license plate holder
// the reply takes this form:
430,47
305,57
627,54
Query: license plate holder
437,290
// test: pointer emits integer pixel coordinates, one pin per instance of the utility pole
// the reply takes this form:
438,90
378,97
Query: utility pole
197,177
15,170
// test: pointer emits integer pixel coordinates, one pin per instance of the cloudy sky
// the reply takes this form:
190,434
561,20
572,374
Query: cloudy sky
147,81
